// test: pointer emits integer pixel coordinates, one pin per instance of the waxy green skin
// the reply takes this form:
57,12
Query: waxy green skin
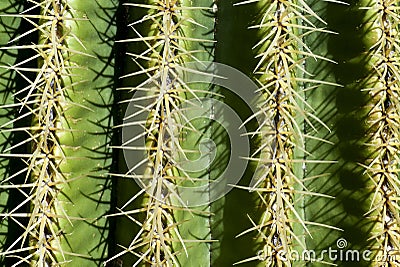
344,110
198,226
87,145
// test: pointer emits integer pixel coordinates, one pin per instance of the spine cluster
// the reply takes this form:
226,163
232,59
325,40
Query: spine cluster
383,120
44,99
167,46
283,111
47,90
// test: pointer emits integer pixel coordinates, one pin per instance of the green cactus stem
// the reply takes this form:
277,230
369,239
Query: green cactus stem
284,114
172,33
67,152
382,165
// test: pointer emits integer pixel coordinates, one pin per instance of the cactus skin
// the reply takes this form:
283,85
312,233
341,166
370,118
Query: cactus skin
87,147
340,109
41,97
238,205
354,111
196,222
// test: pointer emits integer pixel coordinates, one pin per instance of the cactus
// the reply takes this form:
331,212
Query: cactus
285,114
173,33
51,101
382,84
106,158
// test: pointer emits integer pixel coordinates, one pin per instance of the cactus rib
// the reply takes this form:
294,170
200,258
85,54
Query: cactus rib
383,118
282,75
49,104
168,44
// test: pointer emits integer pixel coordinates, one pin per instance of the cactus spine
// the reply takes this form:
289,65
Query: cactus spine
382,85
284,79
172,33
52,185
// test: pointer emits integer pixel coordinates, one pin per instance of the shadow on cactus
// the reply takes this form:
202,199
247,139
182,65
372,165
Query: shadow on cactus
321,164
56,133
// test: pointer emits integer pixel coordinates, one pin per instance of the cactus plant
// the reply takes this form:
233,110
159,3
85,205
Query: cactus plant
105,133
50,147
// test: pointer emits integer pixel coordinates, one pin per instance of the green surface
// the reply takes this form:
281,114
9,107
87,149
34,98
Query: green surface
57,184
86,142
230,213
343,109
185,230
